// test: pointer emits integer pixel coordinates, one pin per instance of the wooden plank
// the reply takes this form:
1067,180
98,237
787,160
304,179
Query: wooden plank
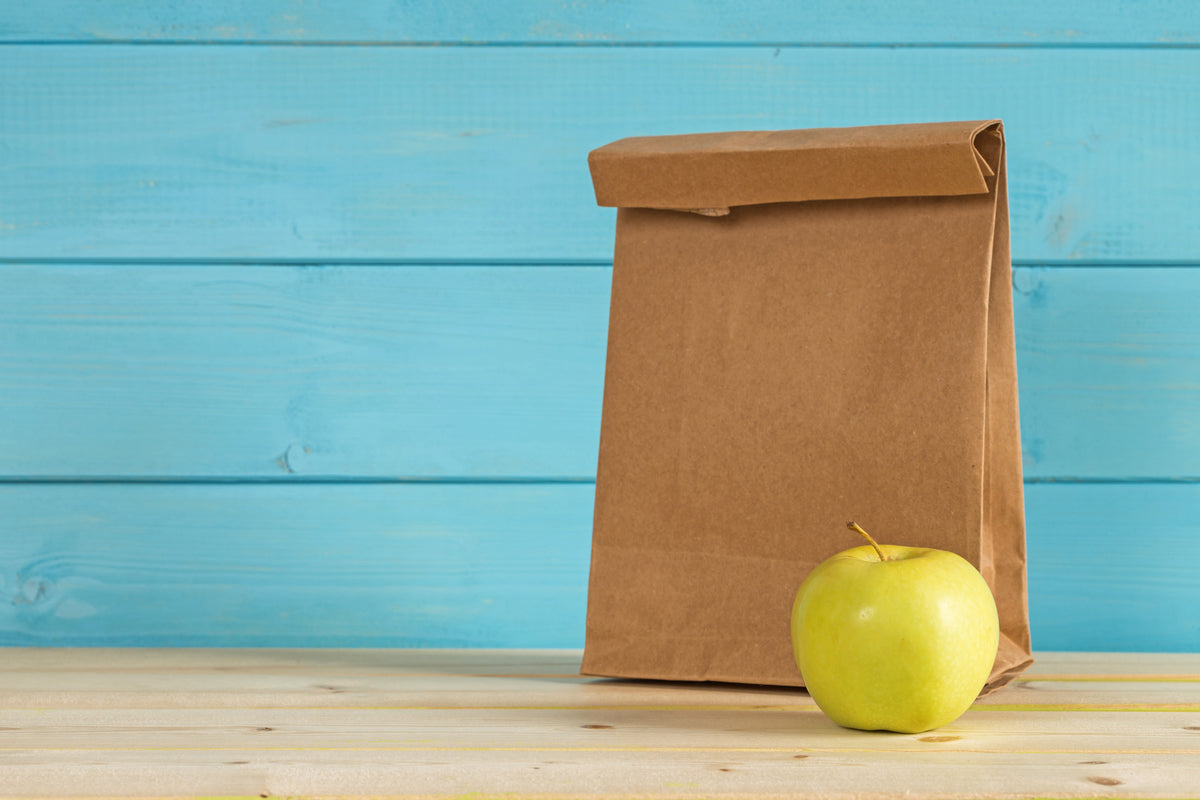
327,372
584,730
482,565
287,678
1150,22
324,690
294,565
314,751
334,153
1108,666
1110,566
276,372
1109,372
120,663
555,775
577,740
509,662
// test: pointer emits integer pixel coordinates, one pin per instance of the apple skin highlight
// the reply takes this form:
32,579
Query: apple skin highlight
902,644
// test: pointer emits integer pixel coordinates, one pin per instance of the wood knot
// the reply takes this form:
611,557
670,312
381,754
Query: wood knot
1104,781
331,688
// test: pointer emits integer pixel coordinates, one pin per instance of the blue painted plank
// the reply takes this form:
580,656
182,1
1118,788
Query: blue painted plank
244,371
1112,567
333,153
274,372
297,566
679,21
1108,364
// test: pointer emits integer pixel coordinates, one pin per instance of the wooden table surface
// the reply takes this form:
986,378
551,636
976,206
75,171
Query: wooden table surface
262,723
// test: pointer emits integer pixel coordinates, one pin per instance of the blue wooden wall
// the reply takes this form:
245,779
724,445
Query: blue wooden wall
303,305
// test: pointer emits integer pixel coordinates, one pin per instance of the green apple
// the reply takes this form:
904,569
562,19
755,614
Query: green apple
894,638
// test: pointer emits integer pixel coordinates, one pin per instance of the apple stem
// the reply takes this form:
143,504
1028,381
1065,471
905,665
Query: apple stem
855,527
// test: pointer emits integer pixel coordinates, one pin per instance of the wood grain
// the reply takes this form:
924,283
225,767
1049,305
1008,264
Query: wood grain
163,140
493,565
336,153
1149,22
327,564
548,732
1110,568
301,372
588,729
1108,367
552,774
199,678
340,372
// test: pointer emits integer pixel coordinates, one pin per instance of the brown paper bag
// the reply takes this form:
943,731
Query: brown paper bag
807,327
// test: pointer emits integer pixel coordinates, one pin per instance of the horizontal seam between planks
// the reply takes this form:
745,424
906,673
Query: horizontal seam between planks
510,796
1115,481
1165,263
527,796
583,480
599,749
574,677
266,261
307,262
250,479
591,43
785,707
1094,677
1083,708
1090,707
